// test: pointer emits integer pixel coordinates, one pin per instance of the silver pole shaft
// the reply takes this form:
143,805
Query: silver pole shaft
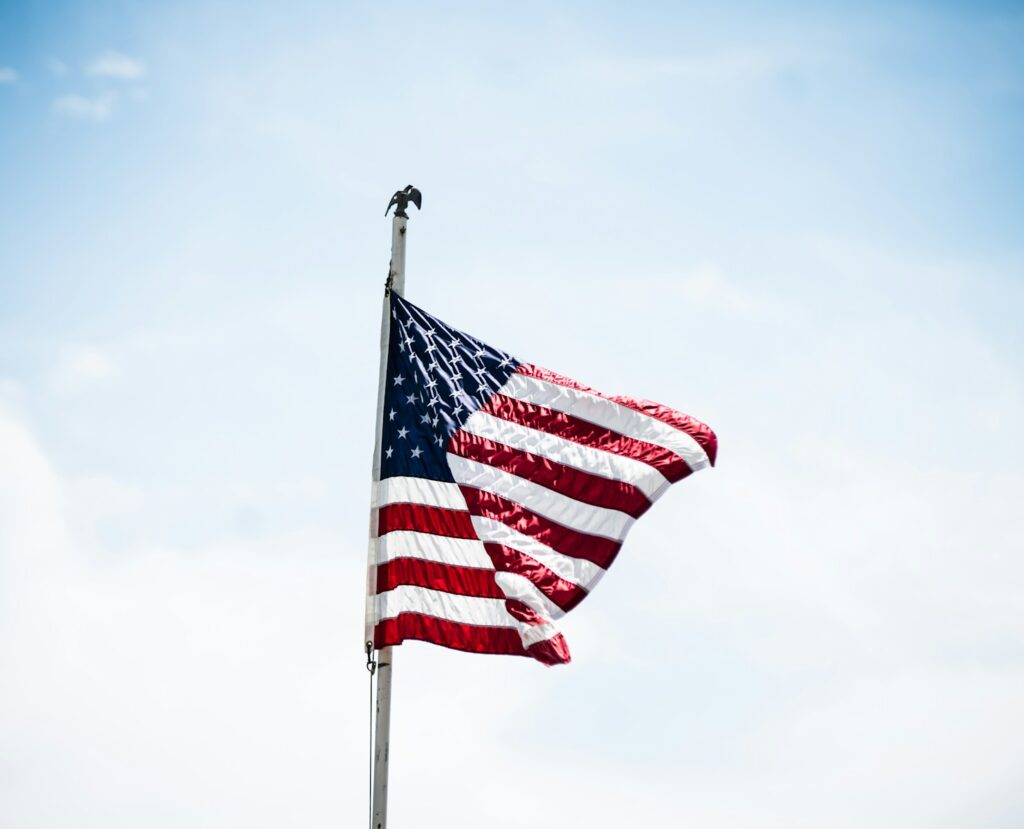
382,739
398,253
385,656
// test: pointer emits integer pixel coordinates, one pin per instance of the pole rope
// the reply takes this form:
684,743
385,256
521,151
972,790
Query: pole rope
371,666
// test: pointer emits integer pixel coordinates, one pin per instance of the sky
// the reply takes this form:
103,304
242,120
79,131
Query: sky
798,223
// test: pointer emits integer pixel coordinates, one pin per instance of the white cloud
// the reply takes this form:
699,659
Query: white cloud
11,391
706,286
57,67
80,367
111,64
8,75
143,669
29,498
98,108
707,69
100,497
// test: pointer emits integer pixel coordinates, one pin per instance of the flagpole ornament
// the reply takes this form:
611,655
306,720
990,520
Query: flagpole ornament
396,270
402,199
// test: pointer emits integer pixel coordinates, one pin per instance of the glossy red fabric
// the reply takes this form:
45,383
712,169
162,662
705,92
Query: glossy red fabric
567,427
700,432
567,480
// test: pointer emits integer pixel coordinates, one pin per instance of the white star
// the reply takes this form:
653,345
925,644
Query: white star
429,332
440,440
391,414
399,380
410,398
432,366
482,386
417,452
480,353
409,341
430,347
389,452
431,383
505,361
394,314
425,419
403,432
458,409
454,342
435,421
433,402
457,359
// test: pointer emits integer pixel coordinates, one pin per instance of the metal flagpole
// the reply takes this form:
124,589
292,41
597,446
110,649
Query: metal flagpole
385,657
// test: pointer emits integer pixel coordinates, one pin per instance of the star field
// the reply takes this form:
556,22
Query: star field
436,378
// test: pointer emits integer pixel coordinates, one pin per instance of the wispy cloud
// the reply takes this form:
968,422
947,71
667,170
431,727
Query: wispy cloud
79,367
98,108
160,605
57,67
8,75
728,66
706,286
116,65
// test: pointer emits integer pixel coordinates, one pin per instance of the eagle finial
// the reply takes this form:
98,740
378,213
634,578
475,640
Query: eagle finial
401,200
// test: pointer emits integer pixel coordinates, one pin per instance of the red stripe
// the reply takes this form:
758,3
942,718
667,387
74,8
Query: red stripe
567,427
471,638
563,593
524,613
567,480
700,432
424,519
456,635
553,651
601,551
450,578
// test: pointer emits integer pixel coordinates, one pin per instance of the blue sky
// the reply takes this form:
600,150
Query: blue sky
799,223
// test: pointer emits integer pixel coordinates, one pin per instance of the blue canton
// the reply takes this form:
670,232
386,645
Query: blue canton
437,377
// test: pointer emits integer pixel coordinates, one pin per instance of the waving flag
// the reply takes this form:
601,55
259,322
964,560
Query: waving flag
504,490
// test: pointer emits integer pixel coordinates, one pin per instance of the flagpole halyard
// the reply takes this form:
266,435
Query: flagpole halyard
385,656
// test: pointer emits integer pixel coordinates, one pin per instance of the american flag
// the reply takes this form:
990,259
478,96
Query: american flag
503,491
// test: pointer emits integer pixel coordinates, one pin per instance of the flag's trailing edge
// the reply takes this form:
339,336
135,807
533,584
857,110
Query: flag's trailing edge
504,491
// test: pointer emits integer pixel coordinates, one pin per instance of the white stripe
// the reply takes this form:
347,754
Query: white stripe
567,511
465,552
606,413
579,571
586,458
519,587
418,491
467,610
537,633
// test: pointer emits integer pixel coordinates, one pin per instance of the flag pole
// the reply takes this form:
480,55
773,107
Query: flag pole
385,656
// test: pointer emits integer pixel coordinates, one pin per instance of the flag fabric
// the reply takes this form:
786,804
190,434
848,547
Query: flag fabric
503,491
